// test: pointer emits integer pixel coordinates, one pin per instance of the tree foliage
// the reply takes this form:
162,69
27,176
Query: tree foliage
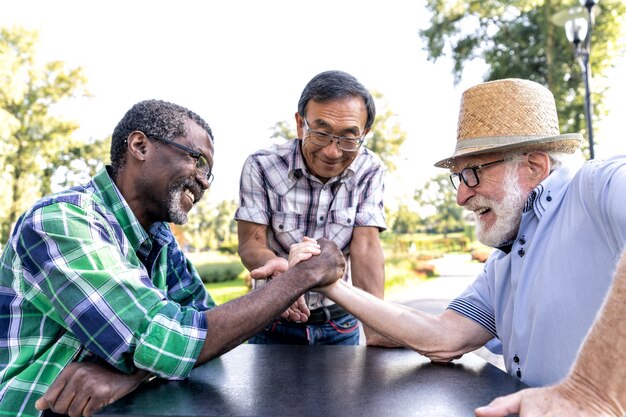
517,38
386,136
438,195
212,226
405,220
33,141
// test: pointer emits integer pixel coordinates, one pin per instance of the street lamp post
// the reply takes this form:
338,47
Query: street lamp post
578,23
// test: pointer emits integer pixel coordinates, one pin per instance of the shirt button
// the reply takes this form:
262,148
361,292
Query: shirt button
349,221
516,359
321,218
521,252
522,241
518,373
281,227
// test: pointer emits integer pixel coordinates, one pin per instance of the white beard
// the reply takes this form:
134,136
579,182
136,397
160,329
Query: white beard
175,211
508,212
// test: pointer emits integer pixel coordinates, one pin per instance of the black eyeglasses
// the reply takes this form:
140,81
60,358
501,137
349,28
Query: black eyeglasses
469,175
345,143
202,164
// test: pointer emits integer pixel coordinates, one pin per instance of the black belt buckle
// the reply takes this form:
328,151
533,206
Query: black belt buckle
326,314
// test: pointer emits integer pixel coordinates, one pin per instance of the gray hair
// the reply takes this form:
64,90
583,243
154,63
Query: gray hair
331,85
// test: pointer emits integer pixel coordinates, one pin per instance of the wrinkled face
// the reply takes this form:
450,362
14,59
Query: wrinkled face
497,201
345,117
176,183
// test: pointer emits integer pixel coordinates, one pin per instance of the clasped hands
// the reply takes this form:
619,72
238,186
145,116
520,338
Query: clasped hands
299,311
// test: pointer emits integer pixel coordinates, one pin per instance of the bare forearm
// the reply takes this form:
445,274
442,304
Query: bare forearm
255,256
253,249
232,323
441,338
367,261
601,363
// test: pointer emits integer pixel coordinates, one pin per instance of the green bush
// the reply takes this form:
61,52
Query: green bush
220,271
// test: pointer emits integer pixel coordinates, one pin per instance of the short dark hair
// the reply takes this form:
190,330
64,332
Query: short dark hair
330,85
153,117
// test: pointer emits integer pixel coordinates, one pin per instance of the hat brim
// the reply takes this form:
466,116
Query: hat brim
567,143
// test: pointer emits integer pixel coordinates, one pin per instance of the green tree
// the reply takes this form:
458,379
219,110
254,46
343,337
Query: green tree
405,220
283,130
34,142
212,226
439,197
386,136
517,38
78,163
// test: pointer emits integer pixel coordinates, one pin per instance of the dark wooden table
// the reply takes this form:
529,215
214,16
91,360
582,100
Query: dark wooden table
279,380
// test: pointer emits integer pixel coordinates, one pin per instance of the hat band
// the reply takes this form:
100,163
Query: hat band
508,141
496,142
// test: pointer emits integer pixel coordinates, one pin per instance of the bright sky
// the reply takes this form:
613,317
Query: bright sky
242,64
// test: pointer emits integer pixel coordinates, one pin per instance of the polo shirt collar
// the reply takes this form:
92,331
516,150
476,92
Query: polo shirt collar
550,191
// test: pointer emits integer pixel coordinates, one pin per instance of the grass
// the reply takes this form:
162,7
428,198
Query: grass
222,292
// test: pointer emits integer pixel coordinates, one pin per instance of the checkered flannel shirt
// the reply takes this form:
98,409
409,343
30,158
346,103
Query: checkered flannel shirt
81,278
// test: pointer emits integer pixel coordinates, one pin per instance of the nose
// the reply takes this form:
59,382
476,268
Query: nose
464,193
202,179
332,150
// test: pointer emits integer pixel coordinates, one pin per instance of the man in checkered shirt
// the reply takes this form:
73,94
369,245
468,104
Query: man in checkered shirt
322,185
95,294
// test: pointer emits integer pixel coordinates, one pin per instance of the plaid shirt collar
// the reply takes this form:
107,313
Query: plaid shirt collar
139,240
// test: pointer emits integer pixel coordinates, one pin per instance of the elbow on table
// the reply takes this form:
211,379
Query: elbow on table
442,344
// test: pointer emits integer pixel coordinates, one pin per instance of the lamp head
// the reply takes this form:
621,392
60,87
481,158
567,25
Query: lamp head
576,30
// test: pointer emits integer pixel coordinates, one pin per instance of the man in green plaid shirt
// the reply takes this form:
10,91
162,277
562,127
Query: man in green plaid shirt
95,294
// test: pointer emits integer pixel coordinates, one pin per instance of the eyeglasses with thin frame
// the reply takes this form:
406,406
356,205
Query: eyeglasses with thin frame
202,164
345,143
469,175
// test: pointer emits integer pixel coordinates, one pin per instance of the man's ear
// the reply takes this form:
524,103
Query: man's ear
539,164
299,125
137,145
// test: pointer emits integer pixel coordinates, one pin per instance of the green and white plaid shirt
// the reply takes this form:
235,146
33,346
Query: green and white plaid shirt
81,278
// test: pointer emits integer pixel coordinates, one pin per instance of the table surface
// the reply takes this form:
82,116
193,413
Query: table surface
281,380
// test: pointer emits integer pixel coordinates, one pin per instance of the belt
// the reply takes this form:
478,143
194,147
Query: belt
325,314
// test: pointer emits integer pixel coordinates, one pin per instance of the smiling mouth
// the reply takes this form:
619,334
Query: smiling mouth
481,211
191,196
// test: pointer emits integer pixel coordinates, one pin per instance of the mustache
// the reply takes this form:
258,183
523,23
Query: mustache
479,201
191,185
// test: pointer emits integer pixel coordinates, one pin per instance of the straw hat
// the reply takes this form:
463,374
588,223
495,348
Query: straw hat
508,114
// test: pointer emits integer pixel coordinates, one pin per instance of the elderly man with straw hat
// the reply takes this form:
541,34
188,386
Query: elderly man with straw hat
559,228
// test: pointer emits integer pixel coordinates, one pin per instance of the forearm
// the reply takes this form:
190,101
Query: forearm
441,338
232,323
255,256
600,367
253,249
367,261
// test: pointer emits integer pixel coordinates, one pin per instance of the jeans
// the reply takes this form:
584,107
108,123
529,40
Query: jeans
343,330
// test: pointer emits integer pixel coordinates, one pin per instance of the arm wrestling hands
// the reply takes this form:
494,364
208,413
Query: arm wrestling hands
83,388
298,311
